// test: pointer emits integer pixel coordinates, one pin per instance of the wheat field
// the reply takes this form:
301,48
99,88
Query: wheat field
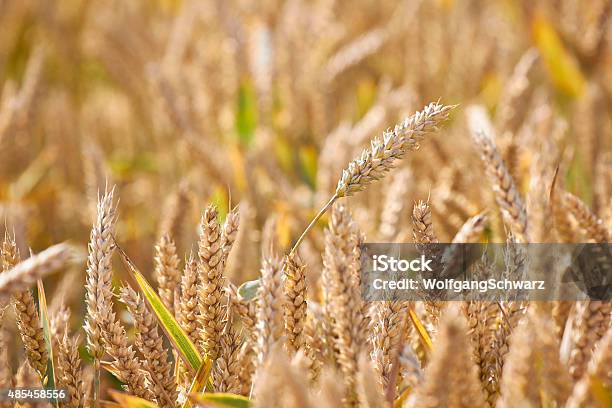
185,188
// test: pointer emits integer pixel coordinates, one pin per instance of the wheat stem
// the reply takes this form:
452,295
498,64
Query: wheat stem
321,212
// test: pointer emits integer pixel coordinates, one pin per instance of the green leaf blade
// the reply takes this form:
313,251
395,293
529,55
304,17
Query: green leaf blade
222,400
44,318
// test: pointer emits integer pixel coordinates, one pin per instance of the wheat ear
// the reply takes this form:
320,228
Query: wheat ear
247,312
506,192
99,275
591,321
227,369
451,377
374,163
594,227
345,304
98,285
210,292
26,273
269,309
390,323
597,375
167,270
230,230
125,363
395,204
70,373
425,236
533,373
6,374
188,304
174,213
281,383
26,314
150,344
295,304
482,320
511,315
472,229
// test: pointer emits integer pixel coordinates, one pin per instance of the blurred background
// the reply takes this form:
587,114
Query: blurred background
261,104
